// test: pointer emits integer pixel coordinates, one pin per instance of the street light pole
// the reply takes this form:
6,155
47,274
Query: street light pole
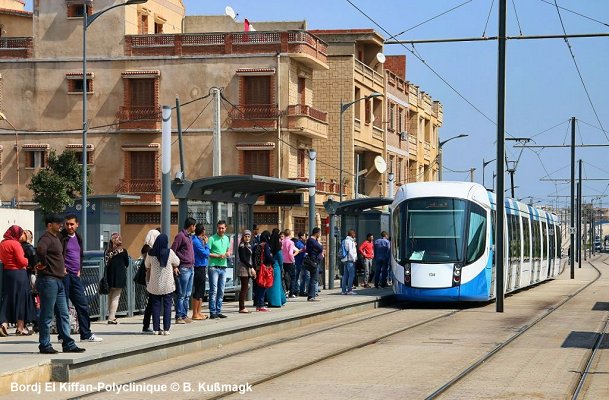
484,164
440,157
343,108
86,21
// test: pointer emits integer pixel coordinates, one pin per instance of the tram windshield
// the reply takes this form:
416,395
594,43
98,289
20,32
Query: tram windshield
435,230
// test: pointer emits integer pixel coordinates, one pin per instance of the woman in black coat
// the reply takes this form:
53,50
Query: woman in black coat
117,262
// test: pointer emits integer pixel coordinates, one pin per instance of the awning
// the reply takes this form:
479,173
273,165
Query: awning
356,206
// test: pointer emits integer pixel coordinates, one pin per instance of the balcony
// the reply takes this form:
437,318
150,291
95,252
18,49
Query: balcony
305,47
427,151
308,121
322,186
254,116
139,117
16,47
149,190
369,77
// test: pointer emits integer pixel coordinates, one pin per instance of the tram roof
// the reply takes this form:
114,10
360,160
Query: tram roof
234,188
355,206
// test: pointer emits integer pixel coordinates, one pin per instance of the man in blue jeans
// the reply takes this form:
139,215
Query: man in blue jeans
51,270
382,254
75,291
219,245
349,253
182,246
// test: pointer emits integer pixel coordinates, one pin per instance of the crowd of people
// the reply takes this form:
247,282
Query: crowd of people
39,281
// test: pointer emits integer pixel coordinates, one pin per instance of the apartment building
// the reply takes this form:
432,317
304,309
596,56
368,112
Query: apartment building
282,88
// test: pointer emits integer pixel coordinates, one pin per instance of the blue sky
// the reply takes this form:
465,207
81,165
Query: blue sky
543,87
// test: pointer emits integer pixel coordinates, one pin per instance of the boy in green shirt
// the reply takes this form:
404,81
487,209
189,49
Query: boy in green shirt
219,245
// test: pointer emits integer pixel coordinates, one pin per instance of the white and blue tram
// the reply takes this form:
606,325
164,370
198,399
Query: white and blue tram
443,243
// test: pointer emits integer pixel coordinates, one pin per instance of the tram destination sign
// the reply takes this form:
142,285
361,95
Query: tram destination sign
284,199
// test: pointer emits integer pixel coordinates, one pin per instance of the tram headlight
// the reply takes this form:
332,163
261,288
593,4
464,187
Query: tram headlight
457,273
407,273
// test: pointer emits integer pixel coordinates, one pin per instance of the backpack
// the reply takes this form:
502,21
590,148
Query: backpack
343,249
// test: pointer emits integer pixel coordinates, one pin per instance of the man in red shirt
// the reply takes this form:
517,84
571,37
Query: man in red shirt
367,251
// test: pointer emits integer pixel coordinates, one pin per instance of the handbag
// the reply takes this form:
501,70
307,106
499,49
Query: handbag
265,276
104,288
140,275
309,263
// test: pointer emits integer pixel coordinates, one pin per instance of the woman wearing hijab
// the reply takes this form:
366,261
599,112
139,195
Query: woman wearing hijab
276,294
117,262
161,267
17,304
262,254
246,270
148,243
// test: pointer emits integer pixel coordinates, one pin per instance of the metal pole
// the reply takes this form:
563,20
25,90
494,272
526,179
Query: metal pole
166,171
579,216
499,247
182,203
340,152
512,181
391,185
356,194
572,214
440,161
592,227
83,220
332,252
471,174
483,166
312,174
217,153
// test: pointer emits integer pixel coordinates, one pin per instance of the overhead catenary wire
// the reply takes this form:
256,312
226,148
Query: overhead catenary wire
575,12
581,78
488,18
517,19
429,19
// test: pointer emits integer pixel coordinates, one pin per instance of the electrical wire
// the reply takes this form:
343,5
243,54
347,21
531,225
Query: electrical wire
547,130
429,67
576,13
428,20
581,78
517,19
488,18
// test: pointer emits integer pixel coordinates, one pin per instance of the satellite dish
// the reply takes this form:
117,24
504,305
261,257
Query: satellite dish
228,10
380,57
380,164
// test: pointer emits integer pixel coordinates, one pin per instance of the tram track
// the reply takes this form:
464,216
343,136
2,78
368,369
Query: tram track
286,339
501,346
592,354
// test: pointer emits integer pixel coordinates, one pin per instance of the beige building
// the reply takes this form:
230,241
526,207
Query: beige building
281,86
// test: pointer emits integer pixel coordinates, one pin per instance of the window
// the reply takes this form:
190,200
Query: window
400,119
301,90
75,83
377,110
396,234
301,163
357,113
476,236
141,92
544,238
77,10
391,113
300,225
89,157
368,111
158,28
526,235
143,165
435,230
142,24
35,159
256,162
257,89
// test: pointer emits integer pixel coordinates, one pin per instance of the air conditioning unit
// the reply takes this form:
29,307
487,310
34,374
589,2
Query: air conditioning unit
404,136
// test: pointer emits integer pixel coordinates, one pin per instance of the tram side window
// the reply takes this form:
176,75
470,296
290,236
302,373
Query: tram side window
526,230
517,244
396,234
536,241
476,236
544,232
559,237
510,235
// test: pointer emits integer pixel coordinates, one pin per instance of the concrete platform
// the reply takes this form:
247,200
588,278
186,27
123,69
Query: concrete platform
125,346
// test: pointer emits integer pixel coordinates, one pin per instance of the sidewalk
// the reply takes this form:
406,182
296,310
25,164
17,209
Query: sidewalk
125,344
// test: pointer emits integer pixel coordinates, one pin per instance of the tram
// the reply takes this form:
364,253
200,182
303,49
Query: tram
443,243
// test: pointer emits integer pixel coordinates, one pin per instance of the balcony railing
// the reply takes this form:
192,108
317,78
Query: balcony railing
227,43
138,117
254,111
16,47
138,186
301,109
